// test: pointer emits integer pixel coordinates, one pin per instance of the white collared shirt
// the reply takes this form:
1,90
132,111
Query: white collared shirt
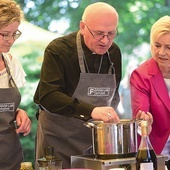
16,70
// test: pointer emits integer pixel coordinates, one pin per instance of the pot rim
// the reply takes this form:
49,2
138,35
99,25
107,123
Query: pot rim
122,121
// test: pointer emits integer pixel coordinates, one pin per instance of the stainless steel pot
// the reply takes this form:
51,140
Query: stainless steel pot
112,140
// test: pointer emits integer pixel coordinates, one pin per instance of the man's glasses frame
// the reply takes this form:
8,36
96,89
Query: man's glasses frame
100,36
15,36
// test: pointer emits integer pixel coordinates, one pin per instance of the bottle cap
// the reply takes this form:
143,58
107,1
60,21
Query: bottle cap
144,127
144,123
26,164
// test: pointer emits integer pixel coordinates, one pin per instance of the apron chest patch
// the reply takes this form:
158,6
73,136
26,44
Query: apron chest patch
95,91
7,107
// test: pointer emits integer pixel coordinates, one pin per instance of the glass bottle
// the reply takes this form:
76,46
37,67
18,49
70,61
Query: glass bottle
26,166
49,161
146,157
53,161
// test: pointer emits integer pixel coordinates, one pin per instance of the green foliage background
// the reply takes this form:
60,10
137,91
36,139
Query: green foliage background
136,18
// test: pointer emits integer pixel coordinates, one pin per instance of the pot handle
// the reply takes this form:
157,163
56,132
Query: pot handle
91,125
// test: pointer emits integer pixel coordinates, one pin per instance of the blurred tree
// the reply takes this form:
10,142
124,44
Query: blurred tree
136,17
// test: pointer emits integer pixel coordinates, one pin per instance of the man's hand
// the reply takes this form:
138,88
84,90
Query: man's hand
106,114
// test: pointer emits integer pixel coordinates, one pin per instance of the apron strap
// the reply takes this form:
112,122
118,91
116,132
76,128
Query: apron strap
11,80
80,52
111,68
81,56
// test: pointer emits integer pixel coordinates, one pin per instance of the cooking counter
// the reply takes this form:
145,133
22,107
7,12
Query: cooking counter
82,161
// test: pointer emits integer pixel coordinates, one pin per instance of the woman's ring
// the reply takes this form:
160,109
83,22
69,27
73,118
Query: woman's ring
108,114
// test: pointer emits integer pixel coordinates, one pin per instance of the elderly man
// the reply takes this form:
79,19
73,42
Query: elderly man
79,81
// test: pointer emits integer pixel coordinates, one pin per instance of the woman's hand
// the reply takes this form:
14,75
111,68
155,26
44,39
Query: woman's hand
146,116
23,122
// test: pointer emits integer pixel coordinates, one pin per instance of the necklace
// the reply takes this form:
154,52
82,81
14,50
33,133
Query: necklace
101,60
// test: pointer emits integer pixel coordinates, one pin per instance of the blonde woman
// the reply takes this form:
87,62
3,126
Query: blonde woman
12,76
150,87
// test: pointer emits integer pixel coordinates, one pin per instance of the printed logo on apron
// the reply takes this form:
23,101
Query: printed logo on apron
98,91
5,107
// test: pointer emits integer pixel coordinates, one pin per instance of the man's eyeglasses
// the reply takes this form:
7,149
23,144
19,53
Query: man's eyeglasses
99,36
15,36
